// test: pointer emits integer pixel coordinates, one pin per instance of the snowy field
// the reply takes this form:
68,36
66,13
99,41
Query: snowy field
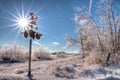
60,69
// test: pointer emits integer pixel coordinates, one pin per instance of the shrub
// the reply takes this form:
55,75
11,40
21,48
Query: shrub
65,72
95,58
13,53
41,54
61,55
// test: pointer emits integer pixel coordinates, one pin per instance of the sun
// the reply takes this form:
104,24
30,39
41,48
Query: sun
23,22
20,20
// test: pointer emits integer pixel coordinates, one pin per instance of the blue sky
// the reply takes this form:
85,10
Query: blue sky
56,19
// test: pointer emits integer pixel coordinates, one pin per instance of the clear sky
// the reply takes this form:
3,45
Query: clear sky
56,19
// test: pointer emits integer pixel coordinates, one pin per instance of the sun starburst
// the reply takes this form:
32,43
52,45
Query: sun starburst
20,21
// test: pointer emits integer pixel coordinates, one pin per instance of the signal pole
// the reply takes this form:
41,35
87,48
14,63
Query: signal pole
30,50
32,35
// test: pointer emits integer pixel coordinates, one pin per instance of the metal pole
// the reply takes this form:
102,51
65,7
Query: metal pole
30,50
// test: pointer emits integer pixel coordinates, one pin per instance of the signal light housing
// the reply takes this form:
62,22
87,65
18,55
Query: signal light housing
25,34
32,34
38,35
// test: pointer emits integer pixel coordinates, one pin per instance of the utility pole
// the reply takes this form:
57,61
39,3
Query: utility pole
32,35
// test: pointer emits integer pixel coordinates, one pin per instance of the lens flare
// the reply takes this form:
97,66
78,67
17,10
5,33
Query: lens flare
20,21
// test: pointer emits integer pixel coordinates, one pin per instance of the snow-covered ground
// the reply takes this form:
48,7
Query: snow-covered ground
59,69
100,73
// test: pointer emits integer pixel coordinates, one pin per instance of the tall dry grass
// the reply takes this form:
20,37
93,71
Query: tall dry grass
41,54
17,53
13,53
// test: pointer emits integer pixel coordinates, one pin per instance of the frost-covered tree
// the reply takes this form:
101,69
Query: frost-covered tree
99,33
